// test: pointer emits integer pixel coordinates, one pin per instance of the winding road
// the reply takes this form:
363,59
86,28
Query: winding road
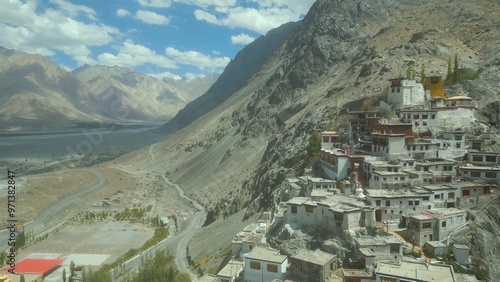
180,240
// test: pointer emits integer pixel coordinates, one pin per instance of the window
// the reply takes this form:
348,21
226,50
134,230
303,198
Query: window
491,158
451,195
394,249
387,203
416,123
338,216
377,203
296,265
294,209
255,265
309,209
475,174
415,116
392,211
426,225
417,203
465,192
426,198
437,196
272,267
491,174
425,116
458,145
477,158
424,122
402,178
326,139
433,116
443,224
414,224
447,168
410,203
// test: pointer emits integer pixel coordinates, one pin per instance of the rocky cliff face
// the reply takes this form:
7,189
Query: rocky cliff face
237,155
236,74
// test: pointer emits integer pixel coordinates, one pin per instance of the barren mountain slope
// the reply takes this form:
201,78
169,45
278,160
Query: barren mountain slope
237,155
33,88
138,96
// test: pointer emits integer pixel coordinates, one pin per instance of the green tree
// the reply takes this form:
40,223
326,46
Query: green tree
72,267
314,147
456,74
449,73
20,240
422,72
408,72
64,275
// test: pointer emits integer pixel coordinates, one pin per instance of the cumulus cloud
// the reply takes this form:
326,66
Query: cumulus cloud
72,10
267,15
195,58
155,3
206,16
52,30
151,17
208,3
242,38
122,13
167,74
133,55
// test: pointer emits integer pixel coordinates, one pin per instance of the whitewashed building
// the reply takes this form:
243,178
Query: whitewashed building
265,264
405,92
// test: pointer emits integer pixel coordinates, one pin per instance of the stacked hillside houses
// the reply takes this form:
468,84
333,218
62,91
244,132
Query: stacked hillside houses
410,173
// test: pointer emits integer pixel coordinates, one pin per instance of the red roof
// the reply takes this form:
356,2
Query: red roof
42,266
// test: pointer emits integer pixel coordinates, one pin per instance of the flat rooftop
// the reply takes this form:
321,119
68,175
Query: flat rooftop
231,269
368,241
416,270
316,257
384,193
263,254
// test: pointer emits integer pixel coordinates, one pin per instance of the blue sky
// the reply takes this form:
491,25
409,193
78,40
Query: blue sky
172,38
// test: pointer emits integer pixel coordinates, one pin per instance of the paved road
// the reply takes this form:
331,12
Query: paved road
195,222
179,240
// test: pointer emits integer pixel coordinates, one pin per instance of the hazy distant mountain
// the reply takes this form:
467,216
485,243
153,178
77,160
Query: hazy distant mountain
130,95
38,94
33,88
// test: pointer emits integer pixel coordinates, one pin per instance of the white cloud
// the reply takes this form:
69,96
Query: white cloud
206,16
195,58
133,55
51,30
122,13
208,3
269,14
72,10
151,17
242,38
190,76
155,3
167,75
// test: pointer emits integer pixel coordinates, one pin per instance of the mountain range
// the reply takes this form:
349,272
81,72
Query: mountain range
38,94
